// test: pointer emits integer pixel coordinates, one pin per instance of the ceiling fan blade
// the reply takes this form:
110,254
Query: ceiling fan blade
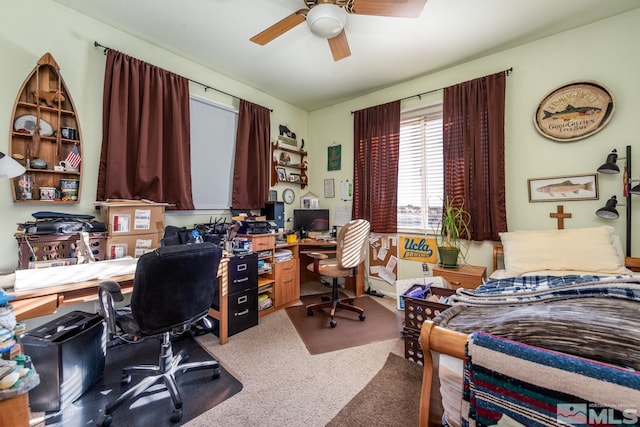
339,46
396,8
281,27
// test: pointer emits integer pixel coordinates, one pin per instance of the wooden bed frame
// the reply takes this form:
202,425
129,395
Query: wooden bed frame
452,343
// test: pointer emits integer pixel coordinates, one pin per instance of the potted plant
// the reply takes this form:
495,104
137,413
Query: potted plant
454,226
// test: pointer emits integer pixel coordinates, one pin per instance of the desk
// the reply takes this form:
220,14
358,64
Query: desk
40,302
355,284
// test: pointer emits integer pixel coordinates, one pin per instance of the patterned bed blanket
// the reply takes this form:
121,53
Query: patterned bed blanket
510,383
531,289
587,316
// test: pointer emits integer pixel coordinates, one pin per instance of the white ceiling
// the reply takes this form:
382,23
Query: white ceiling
298,68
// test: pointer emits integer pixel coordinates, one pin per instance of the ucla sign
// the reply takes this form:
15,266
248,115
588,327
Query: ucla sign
418,249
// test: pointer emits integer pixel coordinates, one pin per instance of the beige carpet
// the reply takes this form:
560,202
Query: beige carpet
284,385
391,398
379,325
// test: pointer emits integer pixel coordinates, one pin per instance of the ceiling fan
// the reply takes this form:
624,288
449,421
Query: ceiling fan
326,19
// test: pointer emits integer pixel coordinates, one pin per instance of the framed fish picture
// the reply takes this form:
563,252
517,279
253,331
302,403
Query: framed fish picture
574,111
563,188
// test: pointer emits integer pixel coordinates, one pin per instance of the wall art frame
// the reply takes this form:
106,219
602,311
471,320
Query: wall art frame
334,157
329,188
574,111
563,188
295,177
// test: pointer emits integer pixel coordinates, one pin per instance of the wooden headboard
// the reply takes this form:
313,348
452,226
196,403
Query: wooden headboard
498,251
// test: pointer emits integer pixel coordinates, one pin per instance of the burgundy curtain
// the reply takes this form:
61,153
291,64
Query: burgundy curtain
375,169
473,144
145,134
252,159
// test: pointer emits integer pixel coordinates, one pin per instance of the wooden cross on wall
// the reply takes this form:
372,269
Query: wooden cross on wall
560,216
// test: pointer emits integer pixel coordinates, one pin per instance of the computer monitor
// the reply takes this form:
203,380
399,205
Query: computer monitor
311,219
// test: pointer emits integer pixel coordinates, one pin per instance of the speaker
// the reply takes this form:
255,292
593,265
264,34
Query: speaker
274,211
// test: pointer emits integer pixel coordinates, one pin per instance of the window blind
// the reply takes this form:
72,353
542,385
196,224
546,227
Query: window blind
420,169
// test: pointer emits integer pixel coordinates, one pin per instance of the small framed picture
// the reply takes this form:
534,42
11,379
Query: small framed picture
309,201
282,174
573,187
329,188
294,177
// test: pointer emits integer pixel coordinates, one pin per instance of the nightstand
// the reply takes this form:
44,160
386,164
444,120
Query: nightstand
464,276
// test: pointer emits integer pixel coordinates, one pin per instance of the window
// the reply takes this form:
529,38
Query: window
213,141
420,169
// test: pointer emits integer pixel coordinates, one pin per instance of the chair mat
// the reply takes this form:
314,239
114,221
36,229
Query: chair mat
198,390
379,325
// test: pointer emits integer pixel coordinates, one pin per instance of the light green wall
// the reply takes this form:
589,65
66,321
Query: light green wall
29,29
604,52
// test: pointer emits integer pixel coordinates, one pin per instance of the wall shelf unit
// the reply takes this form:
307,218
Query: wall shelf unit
292,161
44,129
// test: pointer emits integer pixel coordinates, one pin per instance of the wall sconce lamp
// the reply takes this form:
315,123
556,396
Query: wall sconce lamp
610,165
609,211
9,168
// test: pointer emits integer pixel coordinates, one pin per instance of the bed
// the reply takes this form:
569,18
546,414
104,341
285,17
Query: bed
557,325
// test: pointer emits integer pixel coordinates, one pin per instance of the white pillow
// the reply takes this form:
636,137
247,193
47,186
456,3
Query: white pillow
580,249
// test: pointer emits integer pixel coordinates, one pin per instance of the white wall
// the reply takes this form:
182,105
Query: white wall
604,52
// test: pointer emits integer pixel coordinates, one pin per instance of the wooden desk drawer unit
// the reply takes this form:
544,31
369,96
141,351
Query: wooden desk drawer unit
464,276
287,282
262,242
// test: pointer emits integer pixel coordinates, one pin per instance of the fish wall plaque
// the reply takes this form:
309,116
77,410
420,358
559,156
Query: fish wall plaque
574,111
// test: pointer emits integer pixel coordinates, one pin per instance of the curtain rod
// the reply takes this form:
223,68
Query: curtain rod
106,48
419,95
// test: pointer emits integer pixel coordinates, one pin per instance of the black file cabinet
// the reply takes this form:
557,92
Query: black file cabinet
243,292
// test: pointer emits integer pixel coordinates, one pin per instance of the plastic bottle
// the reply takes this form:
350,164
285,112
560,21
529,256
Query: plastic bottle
197,237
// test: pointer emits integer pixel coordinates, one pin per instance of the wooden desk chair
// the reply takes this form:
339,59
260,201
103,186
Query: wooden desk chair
350,252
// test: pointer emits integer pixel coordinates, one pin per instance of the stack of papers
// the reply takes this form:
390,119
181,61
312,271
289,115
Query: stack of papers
283,255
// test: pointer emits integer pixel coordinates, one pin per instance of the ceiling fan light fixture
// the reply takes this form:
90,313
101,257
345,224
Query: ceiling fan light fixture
326,20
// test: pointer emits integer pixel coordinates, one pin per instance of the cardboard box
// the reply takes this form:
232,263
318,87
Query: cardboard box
129,217
134,245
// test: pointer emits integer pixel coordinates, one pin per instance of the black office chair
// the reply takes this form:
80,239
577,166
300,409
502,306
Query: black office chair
350,253
173,288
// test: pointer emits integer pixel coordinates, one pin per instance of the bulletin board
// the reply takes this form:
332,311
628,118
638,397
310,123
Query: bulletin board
383,257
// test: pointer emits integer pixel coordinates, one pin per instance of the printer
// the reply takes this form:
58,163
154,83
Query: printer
254,227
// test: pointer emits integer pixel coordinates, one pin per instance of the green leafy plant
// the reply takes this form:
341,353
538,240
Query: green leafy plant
454,224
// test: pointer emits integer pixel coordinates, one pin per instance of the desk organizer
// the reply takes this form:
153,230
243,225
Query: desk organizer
38,247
